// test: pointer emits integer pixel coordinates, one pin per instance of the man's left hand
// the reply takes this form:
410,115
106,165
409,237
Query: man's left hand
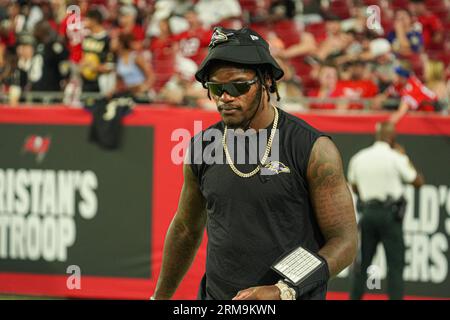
259,293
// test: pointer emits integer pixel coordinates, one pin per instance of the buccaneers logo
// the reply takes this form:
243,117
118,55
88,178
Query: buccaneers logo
37,145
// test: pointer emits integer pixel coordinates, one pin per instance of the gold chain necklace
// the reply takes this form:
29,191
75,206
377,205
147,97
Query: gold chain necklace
266,153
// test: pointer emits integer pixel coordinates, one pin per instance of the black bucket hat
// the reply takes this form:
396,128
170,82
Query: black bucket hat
243,46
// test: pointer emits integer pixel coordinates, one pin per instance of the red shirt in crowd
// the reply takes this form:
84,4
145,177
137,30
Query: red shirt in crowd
358,89
163,60
430,25
315,93
194,43
137,32
414,94
352,89
8,39
73,33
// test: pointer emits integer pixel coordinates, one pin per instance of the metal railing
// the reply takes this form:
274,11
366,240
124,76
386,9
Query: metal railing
38,98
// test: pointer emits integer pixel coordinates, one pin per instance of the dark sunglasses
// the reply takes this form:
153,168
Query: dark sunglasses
234,89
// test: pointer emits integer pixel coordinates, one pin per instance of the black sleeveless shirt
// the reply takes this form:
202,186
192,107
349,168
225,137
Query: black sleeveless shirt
253,221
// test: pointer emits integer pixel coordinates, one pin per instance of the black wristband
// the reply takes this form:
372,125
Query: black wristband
318,278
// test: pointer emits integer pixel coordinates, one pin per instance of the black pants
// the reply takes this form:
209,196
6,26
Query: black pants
378,224
90,86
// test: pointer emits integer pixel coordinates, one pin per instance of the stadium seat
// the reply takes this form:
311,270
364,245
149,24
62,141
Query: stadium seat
446,58
416,64
303,70
247,5
163,69
260,28
447,28
339,8
439,55
387,24
399,4
433,3
249,8
287,31
371,2
318,30
231,23
442,12
439,8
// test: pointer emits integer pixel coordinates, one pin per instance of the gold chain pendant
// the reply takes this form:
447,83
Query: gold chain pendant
266,153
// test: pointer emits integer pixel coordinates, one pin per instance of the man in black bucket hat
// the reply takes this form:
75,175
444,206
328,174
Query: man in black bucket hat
242,46
279,227
244,49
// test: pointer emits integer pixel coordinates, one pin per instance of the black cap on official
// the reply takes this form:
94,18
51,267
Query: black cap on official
243,46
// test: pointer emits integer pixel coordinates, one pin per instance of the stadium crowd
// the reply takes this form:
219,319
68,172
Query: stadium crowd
373,53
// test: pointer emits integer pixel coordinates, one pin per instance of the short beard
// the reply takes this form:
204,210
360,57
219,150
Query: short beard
254,106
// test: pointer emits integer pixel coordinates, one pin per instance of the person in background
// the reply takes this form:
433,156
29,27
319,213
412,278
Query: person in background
3,9
218,12
252,219
382,64
405,39
290,86
128,26
160,10
7,34
435,81
358,20
306,46
353,50
163,54
2,58
312,7
357,86
72,31
193,43
97,58
47,72
335,41
134,74
2,51
25,52
33,12
16,17
432,28
329,88
182,89
8,63
19,80
377,175
382,67
281,10
413,94
59,8
48,14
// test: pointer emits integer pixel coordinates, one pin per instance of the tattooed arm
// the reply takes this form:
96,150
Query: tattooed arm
333,205
183,237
